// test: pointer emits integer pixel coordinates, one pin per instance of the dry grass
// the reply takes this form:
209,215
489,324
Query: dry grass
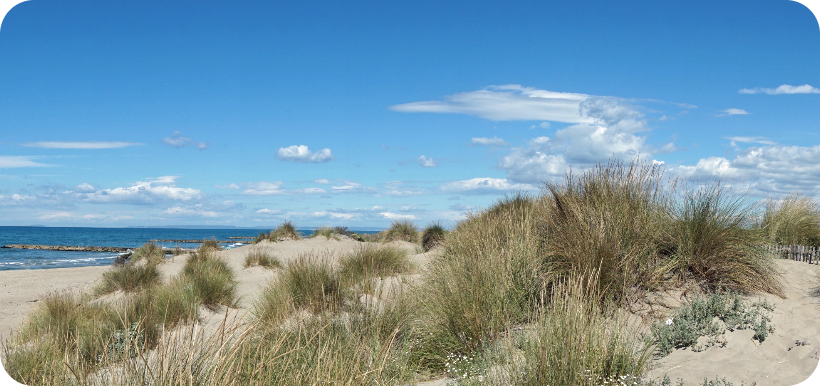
213,281
794,220
150,252
128,277
403,230
373,261
261,258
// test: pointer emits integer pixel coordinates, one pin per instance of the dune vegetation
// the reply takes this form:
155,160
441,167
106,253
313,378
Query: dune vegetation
534,290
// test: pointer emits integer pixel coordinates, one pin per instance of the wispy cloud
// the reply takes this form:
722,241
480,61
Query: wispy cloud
396,216
177,140
301,153
484,185
144,192
733,111
427,162
195,211
484,141
760,140
81,145
782,89
10,161
506,103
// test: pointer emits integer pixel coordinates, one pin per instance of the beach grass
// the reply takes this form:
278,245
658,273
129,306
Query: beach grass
128,277
152,253
794,220
285,231
432,236
401,230
212,279
370,261
262,258
327,232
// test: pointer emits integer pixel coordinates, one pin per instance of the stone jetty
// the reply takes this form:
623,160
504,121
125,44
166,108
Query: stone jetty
84,248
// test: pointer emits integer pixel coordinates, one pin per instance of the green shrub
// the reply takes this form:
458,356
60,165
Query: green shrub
696,319
432,236
402,230
794,220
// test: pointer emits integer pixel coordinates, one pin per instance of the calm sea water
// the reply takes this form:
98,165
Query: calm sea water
11,258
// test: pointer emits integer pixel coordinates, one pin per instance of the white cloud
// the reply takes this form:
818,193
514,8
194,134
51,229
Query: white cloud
10,161
782,89
733,111
16,199
484,141
177,140
55,215
269,211
264,188
195,211
323,181
229,186
544,125
506,103
351,187
85,187
396,216
764,170
159,189
334,215
760,140
484,185
427,162
81,145
301,153
309,191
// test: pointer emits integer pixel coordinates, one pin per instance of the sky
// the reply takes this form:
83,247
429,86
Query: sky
361,113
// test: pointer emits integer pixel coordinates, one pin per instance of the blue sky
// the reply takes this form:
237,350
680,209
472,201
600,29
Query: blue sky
361,113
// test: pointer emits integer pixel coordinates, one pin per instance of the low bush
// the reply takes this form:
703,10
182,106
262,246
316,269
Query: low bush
327,232
286,231
697,318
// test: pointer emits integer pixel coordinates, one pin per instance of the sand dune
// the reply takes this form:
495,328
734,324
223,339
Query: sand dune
776,361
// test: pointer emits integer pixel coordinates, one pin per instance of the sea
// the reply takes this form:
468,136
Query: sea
13,258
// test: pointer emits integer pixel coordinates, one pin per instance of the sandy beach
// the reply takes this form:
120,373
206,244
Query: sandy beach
776,361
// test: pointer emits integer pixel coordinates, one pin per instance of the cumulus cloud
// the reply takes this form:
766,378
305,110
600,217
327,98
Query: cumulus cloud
427,162
177,140
10,161
733,111
81,145
484,185
506,103
765,169
143,192
782,89
484,141
301,153
264,188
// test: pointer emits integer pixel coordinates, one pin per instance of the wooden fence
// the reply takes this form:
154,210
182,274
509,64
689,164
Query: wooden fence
805,253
